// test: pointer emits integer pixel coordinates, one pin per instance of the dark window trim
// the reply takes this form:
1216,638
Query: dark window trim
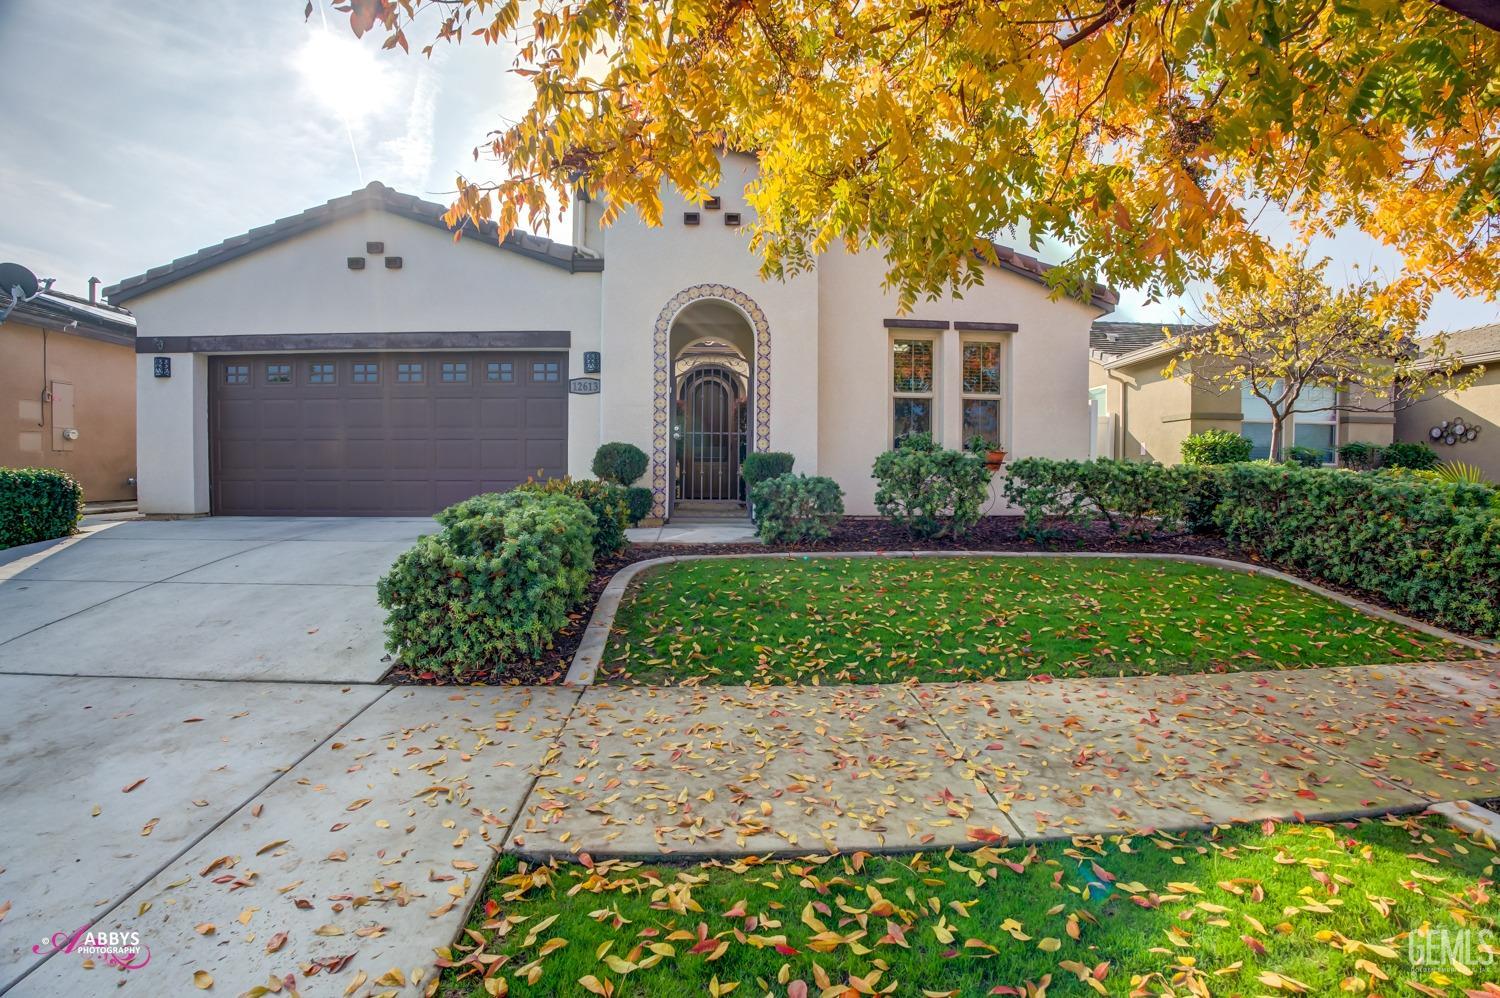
523,339
987,327
916,323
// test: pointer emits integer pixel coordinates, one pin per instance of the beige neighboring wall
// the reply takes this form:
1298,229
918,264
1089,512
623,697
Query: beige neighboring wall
102,379
1478,405
1154,414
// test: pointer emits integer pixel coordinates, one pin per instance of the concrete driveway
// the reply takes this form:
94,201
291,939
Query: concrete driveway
257,598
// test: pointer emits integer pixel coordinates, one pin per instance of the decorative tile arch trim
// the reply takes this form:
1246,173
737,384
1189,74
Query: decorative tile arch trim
661,389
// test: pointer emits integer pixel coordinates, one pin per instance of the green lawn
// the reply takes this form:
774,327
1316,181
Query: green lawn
1315,909
881,620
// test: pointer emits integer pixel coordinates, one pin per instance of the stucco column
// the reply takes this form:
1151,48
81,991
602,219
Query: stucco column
949,418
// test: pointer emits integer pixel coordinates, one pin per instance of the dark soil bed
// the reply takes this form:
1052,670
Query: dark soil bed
853,533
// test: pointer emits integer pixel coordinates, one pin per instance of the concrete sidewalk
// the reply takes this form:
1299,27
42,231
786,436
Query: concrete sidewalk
328,832
723,770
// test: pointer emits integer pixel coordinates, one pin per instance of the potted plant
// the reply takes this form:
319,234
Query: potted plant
993,454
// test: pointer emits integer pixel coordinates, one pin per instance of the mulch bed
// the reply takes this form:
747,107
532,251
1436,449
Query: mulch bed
854,533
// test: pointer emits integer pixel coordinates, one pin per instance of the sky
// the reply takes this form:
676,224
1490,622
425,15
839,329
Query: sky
138,131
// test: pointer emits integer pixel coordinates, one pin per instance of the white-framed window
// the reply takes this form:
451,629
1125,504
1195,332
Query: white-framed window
913,386
981,388
1314,422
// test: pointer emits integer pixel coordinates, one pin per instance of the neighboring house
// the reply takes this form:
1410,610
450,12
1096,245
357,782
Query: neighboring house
355,359
1145,416
1477,407
67,382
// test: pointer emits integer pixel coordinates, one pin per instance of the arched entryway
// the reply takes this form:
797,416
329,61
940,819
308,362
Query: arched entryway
712,352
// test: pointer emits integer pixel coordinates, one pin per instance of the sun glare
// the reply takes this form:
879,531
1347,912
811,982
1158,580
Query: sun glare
344,76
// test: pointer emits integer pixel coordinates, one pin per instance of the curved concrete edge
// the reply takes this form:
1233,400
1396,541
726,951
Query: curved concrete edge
14,561
1471,818
590,653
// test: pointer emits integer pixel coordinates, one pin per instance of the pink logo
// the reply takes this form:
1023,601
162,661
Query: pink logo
121,950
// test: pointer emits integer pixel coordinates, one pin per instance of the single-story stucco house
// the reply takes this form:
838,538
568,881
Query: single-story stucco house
357,359
1435,419
67,383
1145,416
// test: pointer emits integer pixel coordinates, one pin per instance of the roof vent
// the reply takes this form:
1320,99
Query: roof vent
1112,337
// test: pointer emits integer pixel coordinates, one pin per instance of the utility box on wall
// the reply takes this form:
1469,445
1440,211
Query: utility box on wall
64,429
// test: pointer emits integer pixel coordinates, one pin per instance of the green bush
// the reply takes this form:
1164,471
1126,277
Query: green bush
619,463
1427,548
1216,447
1305,457
605,501
1418,457
37,504
931,491
791,508
494,585
761,465
1135,498
1360,456
638,503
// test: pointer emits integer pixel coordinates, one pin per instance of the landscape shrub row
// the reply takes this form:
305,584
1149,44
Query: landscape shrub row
37,504
1429,548
498,581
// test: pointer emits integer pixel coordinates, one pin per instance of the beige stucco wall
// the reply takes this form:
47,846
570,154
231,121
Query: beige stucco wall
303,285
1478,405
103,379
646,267
1046,379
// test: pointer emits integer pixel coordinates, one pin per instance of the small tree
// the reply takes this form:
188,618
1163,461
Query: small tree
1282,330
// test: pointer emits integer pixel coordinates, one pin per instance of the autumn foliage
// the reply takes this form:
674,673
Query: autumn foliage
1148,134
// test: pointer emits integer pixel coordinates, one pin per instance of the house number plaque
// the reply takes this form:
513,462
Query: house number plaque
584,386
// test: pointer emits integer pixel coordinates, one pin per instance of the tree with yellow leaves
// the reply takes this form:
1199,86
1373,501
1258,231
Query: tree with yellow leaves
1145,134
1282,334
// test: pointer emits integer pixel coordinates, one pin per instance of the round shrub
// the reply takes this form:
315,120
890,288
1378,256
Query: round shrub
606,501
796,508
761,465
931,491
1305,457
494,585
639,500
1418,457
37,504
1360,456
1216,447
619,463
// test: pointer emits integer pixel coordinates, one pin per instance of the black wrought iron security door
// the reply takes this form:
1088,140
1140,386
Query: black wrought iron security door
713,436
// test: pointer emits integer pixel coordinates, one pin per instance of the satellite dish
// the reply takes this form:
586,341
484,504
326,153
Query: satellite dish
14,276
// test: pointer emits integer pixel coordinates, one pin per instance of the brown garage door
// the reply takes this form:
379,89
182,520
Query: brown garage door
381,434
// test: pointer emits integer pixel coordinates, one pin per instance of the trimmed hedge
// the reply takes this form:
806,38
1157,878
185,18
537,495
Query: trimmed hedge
1216,447
792,508
619,463
1418,457
37,504
608,503
1135,498
1428,548
761,465
931,491
494,585
638,503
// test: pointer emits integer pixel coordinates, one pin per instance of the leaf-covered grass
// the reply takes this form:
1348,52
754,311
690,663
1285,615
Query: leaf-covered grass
1317,909
881,620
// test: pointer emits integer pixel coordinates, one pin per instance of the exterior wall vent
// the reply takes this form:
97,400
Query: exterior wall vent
356,263
393,263
375,248
731,218
713,204
690,218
